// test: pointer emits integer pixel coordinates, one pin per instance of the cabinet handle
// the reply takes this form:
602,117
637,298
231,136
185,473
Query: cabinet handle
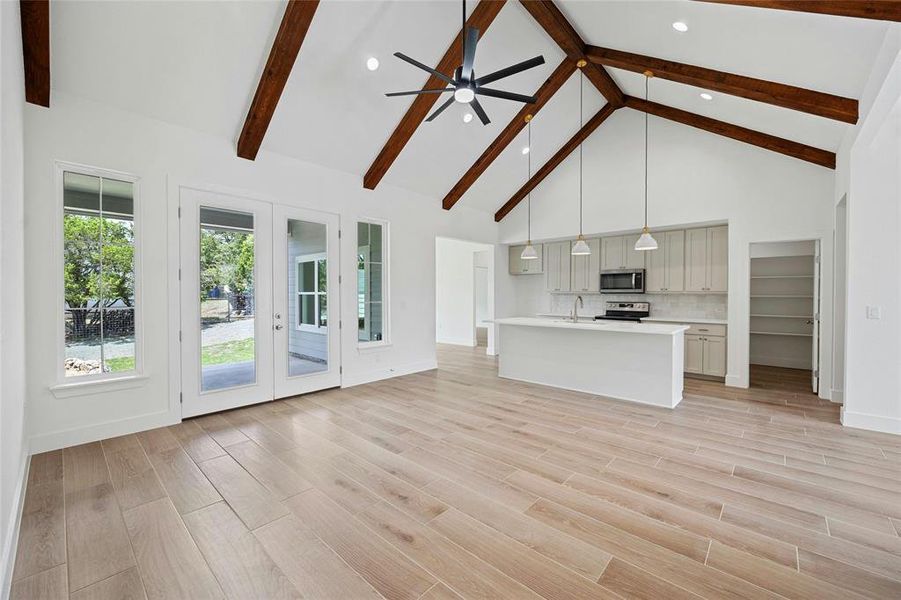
699,329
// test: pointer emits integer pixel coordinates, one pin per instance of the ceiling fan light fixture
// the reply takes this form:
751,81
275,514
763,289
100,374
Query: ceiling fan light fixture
581,248
464,95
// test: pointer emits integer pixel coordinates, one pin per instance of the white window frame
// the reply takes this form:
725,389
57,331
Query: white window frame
386,280
313,258
66,385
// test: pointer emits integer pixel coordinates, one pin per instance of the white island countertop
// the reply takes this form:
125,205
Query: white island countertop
598,326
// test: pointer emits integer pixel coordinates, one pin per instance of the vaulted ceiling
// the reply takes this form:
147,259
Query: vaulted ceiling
198,65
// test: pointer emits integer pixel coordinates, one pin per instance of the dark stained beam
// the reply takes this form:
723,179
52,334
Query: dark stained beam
552,163
549,17
291,33
35,17
778,94
804,152
481,17
881,10
553,83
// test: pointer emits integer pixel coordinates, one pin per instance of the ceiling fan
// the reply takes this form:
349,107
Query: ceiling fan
464,84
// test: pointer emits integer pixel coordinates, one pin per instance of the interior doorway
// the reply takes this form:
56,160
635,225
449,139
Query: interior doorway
785,316
257,282
840,299
464,293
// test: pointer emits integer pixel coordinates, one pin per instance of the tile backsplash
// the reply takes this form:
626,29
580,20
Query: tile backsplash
681,306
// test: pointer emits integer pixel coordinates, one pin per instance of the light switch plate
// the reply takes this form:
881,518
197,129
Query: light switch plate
874,312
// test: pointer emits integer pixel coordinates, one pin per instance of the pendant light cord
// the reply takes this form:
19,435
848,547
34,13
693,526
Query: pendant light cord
646,81
581,80
529,163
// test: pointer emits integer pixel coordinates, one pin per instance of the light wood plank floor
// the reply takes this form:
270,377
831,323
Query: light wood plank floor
456,484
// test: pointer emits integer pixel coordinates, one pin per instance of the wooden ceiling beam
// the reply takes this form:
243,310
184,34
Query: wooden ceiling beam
881,10
553,83
561,154
549,17
804,152
35,18
291,33
481,17
777,94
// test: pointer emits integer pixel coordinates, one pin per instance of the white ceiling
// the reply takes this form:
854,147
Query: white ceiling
197,64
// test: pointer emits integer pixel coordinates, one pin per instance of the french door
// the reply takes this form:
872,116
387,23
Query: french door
257,282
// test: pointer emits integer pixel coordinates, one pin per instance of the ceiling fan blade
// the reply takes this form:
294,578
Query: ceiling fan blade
506,95
480,111
429,91
511,70
469,52
441,108
426,68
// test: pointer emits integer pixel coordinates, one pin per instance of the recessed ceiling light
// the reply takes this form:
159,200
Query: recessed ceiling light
467,117
706,96
525,149
372,63
680,26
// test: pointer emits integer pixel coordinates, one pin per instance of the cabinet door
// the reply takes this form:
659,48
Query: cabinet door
552,267
516,263
632,258
696,260
585,269
674,246
565,253
656,265
612,253
715,356
718,261
694,354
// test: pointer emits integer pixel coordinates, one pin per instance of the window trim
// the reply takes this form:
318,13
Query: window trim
313,258
107,379
386,280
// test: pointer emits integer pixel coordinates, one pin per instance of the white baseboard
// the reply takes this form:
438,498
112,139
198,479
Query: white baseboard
8,560
102,431
838,396
871,422
785,362
350,380
457,342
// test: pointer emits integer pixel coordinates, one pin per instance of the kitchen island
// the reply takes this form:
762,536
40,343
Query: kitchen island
638,362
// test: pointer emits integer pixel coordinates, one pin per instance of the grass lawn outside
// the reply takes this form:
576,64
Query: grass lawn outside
234,351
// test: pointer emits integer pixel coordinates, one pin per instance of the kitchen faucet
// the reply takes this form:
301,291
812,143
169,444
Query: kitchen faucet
576,303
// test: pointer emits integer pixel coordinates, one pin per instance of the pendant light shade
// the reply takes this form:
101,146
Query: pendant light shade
529,253
646,241
581,248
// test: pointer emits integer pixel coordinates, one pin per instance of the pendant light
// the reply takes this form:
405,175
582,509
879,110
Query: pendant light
529,253
646,241
581,247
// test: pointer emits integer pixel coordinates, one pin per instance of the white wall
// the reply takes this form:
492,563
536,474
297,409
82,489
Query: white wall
869,176
13,444
695,177
165,156
482,260
455,302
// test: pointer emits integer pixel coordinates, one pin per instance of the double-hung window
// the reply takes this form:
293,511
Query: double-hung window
312,292
372,288
100,303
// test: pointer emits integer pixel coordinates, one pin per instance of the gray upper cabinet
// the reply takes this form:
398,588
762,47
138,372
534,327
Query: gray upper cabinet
586,269
519,266
706,259
557,266
620,253
666,265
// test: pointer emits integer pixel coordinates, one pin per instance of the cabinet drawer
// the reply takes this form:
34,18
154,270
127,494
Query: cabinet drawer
704,329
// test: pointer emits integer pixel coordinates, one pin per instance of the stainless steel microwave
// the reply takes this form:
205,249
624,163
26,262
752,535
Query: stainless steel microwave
622,281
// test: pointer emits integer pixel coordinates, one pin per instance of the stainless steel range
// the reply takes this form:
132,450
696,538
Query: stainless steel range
625,311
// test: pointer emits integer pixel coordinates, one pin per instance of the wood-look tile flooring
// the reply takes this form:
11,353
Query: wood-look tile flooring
457,484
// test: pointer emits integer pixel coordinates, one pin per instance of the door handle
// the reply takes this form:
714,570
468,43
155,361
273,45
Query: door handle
278,316
279,327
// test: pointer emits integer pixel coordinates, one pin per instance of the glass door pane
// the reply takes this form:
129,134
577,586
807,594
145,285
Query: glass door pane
227,300
307,316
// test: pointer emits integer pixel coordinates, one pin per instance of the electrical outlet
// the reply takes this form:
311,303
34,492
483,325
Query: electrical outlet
874,312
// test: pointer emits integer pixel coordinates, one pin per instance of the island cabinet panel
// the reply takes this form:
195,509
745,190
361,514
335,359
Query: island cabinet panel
518,266
706,259
557,266
666,265
586,269
619,253
694,354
